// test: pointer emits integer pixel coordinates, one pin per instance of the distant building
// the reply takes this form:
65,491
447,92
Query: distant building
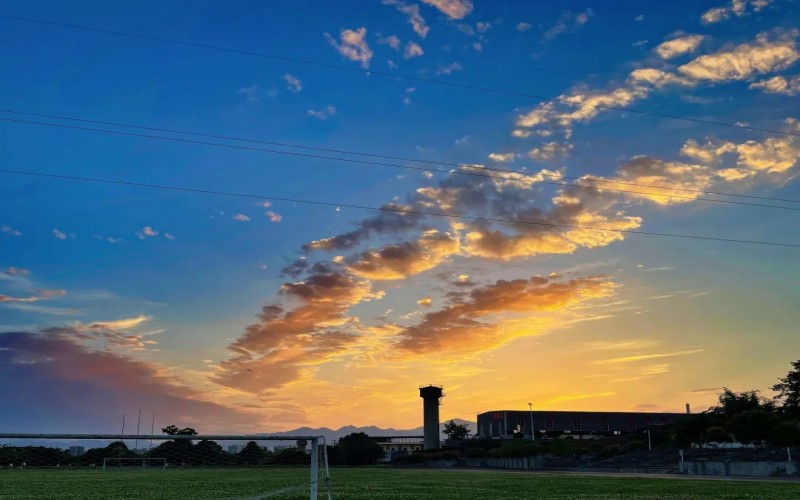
234,448
503,424
77,451
395,446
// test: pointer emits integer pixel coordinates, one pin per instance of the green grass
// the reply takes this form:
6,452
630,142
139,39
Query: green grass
363,484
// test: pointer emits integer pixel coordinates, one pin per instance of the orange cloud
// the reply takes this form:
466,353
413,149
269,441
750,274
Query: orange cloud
456,328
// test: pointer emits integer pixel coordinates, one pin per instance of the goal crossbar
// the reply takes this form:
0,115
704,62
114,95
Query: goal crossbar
319,450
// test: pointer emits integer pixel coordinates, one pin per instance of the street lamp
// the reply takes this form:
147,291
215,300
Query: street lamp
649,443
533,432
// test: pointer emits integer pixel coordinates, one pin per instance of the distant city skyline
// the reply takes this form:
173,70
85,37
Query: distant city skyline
242,315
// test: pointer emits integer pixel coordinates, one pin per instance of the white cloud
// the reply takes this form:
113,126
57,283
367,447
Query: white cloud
10,231
502,157
241,218
450,68
524,26
739,63
425,302
743,61
412,50
273,216
568,22
550,151
147,231
391,40
414,17
483,27
322,114
169,236
779,85
293,83
16,271
353,45
251,93
58,234
774,155
454,9
656,77
737,8
679,46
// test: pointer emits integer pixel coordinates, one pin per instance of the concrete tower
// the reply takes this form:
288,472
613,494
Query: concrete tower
431,399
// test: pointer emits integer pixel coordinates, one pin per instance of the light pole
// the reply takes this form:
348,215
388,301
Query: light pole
649,443
533,432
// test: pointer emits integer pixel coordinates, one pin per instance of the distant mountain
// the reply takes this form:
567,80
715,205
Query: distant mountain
370,430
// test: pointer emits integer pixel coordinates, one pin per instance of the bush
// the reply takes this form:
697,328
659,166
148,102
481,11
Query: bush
518,448
635,445
562,447
476,452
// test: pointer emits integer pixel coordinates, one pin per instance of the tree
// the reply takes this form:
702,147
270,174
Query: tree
456,431
207,452
752,426
789,391
172,430
359,449
693,429
785,434
301,444
716,434
732,404
252,454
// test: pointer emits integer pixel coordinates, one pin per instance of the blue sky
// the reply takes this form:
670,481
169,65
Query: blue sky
166,283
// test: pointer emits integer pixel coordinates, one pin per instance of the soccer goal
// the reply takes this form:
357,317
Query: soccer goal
222,466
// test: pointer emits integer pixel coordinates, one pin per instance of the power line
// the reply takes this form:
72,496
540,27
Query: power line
388,74
391,165
403,158
387,208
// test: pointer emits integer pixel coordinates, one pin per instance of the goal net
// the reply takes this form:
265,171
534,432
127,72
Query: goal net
235,467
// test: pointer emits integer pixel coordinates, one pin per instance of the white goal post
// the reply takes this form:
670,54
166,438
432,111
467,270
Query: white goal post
319,473
146,461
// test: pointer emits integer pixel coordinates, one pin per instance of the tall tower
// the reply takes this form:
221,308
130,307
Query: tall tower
431,399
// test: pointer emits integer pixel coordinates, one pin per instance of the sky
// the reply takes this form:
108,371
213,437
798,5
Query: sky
258,314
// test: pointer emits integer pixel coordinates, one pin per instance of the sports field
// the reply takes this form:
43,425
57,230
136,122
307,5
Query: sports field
358,484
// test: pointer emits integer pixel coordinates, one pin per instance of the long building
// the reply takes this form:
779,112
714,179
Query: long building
504,424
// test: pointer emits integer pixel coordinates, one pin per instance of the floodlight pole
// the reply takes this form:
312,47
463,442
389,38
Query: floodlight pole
533,432
649,443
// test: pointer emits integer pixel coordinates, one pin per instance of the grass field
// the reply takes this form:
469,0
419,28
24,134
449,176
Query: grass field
363,484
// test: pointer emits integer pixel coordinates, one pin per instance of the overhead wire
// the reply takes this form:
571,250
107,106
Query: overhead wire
530,176
390,208
388,74
400,158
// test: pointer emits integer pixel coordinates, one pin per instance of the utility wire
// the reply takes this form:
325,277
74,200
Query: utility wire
402,158
391,165
387,74
387,208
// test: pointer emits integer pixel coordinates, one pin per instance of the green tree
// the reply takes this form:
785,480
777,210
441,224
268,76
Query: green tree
693,429
732,404
786,433
752,426
207,452
173,430
456,431
359,449
789,391
252,454
716,434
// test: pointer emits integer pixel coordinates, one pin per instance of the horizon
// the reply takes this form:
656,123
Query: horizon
267,217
